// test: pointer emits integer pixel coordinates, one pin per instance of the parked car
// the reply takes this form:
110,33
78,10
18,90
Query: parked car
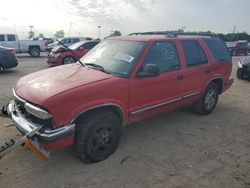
7,58
239,48
243,71
123,80
62,55
66,41
33,47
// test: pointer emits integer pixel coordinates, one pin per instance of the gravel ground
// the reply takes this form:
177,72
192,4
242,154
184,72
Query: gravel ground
177,149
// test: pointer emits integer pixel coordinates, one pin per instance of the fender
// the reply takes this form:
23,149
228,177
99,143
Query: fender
98,104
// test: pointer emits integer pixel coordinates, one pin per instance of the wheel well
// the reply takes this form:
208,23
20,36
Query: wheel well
113,108
219,83
34,46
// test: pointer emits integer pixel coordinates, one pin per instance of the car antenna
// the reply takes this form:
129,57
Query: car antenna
71,51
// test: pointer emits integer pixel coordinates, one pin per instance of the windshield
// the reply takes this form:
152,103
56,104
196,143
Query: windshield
116,57
76,45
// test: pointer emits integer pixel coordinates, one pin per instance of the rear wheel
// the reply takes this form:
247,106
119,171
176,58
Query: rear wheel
209,99
34,51
97,136
69,60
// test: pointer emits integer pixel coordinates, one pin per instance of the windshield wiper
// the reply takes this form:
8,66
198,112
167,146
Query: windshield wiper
97,67
71,51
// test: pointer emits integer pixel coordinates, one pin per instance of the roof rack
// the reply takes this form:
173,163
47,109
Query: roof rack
151,33
204,34
175,33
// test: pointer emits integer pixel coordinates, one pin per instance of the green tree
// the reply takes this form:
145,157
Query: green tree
59,34
31,34
115,33
41,35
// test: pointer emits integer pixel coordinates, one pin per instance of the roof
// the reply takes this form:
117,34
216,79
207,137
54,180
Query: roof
146,38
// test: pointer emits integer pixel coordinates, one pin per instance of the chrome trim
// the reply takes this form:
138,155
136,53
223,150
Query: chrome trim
102,105
25,126
36,111
18,98
191,95
156,105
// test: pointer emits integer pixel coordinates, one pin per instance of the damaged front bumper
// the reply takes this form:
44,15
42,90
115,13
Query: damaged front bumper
46,136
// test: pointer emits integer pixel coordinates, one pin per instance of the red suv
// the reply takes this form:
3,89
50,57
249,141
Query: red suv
62,55
122,80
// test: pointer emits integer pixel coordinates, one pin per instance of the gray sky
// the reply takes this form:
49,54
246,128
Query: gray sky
124,15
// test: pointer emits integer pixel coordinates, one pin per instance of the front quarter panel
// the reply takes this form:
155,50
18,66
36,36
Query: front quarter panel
68,105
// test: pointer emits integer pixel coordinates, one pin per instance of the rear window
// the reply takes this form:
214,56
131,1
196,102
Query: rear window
194,54
1,37
218,49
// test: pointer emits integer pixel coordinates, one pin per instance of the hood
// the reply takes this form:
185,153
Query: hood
40,86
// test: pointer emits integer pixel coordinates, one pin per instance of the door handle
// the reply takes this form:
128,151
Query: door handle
180,77
207,71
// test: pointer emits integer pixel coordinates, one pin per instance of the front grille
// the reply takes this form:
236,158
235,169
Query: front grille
46,123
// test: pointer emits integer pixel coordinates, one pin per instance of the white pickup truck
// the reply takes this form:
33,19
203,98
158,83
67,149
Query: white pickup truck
33,47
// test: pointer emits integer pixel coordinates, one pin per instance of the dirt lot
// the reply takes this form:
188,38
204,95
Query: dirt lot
178,149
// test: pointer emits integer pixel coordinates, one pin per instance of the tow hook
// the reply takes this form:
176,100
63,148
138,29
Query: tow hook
28,141
3,111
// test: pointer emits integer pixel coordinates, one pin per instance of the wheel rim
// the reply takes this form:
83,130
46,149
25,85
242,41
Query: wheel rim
35,52
210,99
102,140
69,60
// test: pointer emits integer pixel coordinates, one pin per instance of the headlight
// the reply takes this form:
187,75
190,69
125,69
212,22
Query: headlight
36,111
239,64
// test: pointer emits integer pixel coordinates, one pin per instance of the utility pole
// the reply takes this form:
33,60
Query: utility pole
99,29
70,25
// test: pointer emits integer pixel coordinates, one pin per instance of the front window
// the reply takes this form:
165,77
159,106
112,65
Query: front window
116,57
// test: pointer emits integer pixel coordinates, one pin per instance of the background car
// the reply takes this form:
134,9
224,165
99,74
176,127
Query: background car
7,58
62,55
243,71
66,41
239,48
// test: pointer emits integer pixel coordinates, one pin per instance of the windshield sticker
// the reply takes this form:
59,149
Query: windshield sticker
124,57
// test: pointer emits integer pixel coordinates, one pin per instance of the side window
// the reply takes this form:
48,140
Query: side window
163,54
11,38
194,54
90,45
63,41
75,40
2,38
218,49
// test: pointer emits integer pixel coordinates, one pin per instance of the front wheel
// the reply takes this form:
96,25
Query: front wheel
208,101
240,73
69,60
97,136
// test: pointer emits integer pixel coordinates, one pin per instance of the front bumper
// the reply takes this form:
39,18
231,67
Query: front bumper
47,136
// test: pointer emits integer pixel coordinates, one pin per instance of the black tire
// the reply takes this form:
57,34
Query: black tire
240,73
208,101
97,136
69,60
34,51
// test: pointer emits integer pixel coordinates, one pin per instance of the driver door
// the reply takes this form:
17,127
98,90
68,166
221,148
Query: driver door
150,95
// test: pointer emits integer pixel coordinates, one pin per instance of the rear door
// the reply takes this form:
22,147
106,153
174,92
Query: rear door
149,95
12,42
197,68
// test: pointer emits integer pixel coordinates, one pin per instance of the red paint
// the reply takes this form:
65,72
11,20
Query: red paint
68,90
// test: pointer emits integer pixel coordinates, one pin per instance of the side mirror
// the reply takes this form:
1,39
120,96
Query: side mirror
152,70
81,48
